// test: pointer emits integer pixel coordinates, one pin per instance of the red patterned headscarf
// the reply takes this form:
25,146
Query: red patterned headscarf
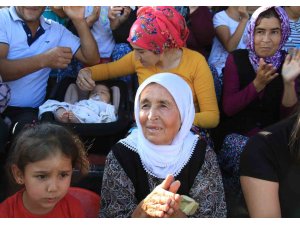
158,28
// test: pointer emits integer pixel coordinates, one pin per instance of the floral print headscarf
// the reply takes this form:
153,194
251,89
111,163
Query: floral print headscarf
158,28
279,55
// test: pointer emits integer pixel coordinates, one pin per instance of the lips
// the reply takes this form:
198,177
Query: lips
265,48
153,128
51,200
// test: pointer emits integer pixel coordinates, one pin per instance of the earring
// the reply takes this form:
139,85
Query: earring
20,181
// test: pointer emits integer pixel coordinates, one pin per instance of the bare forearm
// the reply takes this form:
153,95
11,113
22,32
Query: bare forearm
89,48
15,69
234,40
115,23
289,97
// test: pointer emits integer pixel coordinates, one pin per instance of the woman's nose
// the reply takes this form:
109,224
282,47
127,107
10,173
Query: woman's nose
152,114
266,37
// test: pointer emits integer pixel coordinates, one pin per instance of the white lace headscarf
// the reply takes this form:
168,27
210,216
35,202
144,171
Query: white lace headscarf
161,160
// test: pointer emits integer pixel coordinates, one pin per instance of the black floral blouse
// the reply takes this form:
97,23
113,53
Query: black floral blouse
118,199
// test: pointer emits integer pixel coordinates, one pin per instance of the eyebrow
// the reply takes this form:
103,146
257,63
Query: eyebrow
47,172
258,28
146,100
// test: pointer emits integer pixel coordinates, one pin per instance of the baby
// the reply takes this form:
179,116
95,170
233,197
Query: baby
96,109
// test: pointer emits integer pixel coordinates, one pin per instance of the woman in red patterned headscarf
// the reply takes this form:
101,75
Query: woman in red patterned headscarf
158,38
158,28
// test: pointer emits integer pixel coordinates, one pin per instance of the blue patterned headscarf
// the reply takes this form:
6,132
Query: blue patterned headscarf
279,55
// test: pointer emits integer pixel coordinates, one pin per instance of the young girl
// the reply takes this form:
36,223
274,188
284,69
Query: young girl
230,27
41,160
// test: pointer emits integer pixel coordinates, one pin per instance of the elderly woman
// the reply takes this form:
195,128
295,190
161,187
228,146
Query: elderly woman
259,86
138,174
158,38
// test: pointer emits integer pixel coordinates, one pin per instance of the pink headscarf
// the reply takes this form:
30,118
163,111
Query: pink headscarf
158,28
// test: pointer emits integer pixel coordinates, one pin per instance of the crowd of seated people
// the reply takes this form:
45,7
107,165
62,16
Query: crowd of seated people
208,86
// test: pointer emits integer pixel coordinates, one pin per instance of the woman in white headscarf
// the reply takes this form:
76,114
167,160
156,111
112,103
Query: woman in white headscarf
149,173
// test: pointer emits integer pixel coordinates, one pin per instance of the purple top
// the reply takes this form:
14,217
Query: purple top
235,100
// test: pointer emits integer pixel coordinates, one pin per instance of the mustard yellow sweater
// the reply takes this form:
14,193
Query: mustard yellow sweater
193,68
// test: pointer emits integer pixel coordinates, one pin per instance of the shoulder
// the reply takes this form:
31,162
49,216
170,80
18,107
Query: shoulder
220,18
8,206
188,52
267,153
238,55
4,14
193,57
275,135
123,154
52,25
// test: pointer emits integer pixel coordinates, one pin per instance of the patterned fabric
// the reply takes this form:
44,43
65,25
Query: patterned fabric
218,81
4,95
203,134
229,161
279,55
118,194
294,39
158,28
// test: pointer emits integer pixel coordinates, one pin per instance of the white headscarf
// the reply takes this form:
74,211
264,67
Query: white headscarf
161,160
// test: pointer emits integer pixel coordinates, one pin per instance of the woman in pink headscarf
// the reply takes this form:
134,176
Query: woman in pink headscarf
158,38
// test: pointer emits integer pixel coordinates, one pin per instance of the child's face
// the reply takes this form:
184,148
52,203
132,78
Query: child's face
46,183
102,91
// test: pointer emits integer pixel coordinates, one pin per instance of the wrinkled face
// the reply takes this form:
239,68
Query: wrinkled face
102,91
159,115
267,37
30,13
46,183
146,57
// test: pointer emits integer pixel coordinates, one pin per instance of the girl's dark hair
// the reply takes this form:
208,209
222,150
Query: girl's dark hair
43,140
294,142
269,13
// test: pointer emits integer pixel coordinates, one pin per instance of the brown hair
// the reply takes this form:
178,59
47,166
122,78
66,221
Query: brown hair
43,140
270,13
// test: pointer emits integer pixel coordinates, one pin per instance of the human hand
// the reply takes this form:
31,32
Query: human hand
243,12
84,80
265,74
91,19
75,13
163,200
291,66
57,58
119,12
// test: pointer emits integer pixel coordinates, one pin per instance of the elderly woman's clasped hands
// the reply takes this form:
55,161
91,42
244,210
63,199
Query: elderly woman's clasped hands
162,202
